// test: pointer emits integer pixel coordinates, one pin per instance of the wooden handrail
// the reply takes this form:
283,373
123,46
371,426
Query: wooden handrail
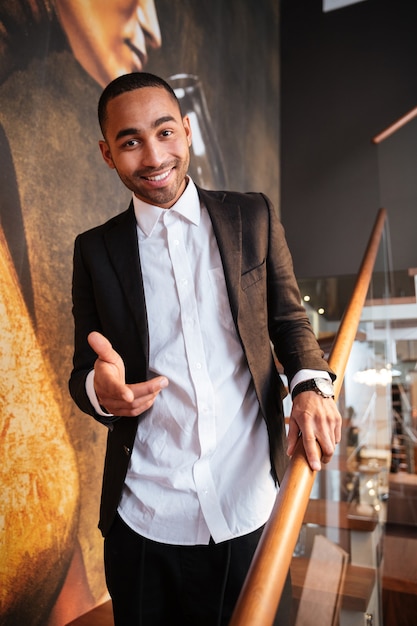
395,126
265,581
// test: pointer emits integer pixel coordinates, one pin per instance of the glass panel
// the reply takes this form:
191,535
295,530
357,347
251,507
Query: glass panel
349,504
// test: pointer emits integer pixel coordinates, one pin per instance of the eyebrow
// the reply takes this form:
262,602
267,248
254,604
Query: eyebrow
125,132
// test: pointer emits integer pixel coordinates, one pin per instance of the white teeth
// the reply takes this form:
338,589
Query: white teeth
160,177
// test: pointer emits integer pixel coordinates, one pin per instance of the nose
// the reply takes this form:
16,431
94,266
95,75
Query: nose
153,154
148,20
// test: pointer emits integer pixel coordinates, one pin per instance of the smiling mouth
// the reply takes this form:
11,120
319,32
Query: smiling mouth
158,178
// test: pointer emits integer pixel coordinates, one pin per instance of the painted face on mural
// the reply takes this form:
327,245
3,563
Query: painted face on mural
147,141
110,38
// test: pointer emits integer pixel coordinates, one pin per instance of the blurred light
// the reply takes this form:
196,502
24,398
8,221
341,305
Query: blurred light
320,311
306,298
373,377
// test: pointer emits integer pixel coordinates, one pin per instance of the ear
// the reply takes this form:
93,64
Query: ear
187,128
106,154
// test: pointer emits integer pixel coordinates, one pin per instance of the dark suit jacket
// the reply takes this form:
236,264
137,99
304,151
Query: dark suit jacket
264,299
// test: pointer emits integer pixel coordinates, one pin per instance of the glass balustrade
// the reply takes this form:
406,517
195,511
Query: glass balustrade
337,566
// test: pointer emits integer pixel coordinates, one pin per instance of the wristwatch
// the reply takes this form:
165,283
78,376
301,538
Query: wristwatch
322,386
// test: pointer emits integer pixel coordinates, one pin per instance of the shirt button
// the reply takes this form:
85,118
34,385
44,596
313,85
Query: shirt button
198,366
176,242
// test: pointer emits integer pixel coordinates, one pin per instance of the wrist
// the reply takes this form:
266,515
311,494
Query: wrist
321,386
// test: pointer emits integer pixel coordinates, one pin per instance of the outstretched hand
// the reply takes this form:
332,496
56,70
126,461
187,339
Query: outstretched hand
113,394
317,420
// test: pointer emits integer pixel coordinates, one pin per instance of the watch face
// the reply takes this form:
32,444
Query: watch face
324,386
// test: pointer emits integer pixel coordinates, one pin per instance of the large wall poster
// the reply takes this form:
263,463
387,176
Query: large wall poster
55,57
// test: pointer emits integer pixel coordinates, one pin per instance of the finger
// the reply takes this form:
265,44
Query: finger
142,392
145,393
328,439
140,401
129,409
114,396
329,435
109,381
102,347
312,451
327,448
151,386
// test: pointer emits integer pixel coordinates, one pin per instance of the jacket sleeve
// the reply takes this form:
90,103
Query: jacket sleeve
86,319
290,330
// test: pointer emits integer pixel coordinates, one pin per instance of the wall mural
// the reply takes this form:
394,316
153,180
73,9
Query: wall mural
55,57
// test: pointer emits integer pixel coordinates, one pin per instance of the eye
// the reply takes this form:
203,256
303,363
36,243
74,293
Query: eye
131,143
166,133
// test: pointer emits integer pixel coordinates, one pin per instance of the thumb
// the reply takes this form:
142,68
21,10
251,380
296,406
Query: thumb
102,347
110,366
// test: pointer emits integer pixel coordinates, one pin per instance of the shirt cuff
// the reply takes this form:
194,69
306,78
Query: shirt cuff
92,396
306,374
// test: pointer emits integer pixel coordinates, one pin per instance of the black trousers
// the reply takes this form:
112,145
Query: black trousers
155,584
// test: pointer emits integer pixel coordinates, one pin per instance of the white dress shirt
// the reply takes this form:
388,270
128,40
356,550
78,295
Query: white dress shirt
200,466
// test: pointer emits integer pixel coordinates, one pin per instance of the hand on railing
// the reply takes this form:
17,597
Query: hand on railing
317,420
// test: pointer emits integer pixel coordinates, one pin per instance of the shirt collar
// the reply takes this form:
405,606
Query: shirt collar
187,205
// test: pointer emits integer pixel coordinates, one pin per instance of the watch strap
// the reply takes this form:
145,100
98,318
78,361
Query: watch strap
309,385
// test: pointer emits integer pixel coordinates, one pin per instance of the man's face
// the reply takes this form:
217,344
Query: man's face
147,142
110,38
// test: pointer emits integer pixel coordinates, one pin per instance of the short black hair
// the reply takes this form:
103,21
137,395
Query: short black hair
129,82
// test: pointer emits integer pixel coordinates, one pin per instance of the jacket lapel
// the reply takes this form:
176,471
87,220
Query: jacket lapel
227,225
122,245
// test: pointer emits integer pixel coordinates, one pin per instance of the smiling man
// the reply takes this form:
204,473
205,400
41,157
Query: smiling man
176,302
147,144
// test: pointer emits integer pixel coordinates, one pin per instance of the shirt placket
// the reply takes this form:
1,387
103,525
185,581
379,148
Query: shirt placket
202,384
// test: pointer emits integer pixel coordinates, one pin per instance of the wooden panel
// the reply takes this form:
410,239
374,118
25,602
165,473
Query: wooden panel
399,609
402,501
400,564
357,589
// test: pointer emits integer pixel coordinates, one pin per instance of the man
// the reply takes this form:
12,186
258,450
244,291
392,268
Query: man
175,304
